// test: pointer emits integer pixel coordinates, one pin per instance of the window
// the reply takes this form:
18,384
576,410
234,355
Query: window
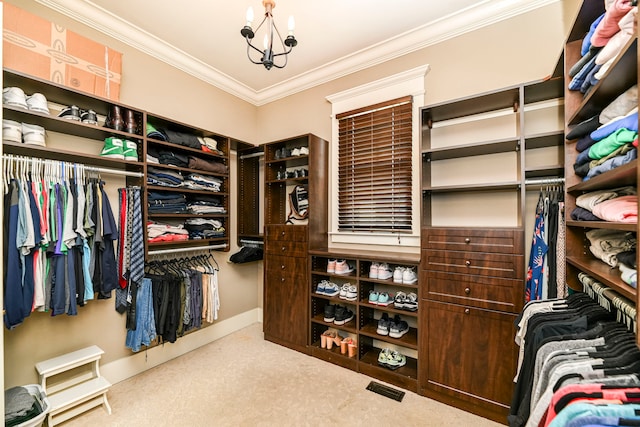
374,167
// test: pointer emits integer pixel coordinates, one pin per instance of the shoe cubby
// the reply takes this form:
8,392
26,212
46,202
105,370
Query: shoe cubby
321,348
367,314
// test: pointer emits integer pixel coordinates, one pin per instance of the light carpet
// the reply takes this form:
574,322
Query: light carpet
242,380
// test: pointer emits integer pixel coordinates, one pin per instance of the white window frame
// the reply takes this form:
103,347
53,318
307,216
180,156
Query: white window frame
410,82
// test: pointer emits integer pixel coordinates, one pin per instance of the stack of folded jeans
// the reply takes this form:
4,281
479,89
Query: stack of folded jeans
163,177
203,182
166,202
201,228
204,204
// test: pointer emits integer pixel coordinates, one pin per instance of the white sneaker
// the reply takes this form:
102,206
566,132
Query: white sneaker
384,272
304,151
38,102
342,267
352,293
130,151
409,276
397,274
15,97
33,134
11,131
373,271
295,152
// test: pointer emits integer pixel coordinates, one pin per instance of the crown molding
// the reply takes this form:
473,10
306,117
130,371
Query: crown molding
464,21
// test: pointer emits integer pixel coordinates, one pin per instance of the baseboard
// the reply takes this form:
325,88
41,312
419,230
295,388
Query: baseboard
127,367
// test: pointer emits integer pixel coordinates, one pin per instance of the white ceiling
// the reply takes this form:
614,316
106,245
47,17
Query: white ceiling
335,37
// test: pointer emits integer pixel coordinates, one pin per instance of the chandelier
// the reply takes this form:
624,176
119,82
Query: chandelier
267,54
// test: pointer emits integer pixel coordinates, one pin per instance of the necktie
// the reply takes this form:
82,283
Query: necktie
137,241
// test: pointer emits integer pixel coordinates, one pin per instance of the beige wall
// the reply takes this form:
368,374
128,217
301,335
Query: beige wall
504,54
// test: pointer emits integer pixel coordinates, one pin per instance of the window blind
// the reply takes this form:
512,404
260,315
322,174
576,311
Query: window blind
374,167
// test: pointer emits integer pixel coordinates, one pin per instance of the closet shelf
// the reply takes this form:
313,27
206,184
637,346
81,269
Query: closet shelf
621,176
409,340
497,186
69,156
304,159
542,140
621,76
472,105
477,149
200,153
603,224
369,361
180,243
545,171
293,181
187,215
188,170
364,302
347,327
604,273
185,190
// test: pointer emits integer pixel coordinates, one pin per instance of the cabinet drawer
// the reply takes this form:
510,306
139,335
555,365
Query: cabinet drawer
286,267
294,233
506,241
286,248
476,263
494,293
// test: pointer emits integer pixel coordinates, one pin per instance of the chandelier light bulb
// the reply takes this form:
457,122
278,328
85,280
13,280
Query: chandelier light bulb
249,16
266,42
292,25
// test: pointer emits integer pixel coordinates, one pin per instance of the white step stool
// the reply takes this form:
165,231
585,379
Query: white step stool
72,396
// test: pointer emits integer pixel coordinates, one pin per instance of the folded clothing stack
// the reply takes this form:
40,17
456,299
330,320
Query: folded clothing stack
205,204
196,181
163,177
166,232
201,228
166,202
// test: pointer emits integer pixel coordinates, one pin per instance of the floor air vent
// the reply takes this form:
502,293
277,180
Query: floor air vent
386,391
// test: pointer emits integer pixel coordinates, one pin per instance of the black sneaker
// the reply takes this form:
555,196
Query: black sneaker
89,117
398,327
70,113
343,315
329,313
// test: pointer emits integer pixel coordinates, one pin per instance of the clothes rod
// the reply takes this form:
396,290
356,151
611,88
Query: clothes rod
252,242
114,172
248,156
87,168
195,248
544,181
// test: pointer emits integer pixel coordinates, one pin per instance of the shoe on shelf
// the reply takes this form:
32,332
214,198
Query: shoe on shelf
398,327
88,117
385,299
397,274
14,97
353,348
331,289
329,313
399,300
331,266
383,325
395,360
344,345
373,270
411,302
342,267
327,339
37,102
320,287
373,297
11,131
70,113
130,152
130,122
113,148
115,118
343,291
295,152
33,134
384,272
304,151
384,356
343,315
409,276
352,293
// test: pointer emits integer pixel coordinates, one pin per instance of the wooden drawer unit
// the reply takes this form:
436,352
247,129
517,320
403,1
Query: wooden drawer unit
493,293
294,233
287,268
286,248
476,263
504,241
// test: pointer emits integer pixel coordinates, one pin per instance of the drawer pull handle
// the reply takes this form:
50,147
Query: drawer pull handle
282,266
467,240
467,291
284,248
467,311
467,263
283,233
282,280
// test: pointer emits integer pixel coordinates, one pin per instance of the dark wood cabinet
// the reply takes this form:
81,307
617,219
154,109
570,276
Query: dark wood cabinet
470,354
297,161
